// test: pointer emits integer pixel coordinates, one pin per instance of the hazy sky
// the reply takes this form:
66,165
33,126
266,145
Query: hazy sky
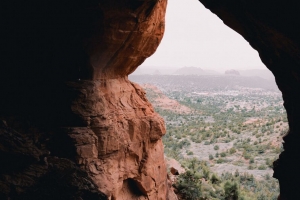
196,37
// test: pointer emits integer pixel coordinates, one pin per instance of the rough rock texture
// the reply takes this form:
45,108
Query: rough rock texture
29,172
272,28
74,126
122,45
121,147
64,135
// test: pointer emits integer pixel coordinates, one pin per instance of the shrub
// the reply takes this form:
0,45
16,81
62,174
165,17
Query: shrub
211,157
206,173
185,142
269,162
227,140
232,150
223,154
250,167
214,179
262,167
246,155
262,196
261,150
189,185
216,147
236,173
277,150
198,140
231,191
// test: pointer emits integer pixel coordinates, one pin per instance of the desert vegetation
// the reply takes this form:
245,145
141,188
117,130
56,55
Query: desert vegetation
227,140
200,182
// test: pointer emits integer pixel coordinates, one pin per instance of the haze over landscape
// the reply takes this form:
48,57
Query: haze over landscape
220,127
196,37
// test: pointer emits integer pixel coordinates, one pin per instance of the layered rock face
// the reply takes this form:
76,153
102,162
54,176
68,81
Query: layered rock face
121,147
272,28
72,125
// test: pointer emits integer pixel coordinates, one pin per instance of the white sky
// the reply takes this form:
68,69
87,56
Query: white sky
196,37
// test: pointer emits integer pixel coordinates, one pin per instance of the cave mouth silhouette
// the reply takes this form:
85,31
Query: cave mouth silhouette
47,44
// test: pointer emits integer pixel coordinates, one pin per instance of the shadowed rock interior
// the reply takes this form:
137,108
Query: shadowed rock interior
73,126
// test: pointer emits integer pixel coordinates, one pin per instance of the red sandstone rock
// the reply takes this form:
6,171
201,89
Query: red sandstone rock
89,47
124,44
122,140
174,166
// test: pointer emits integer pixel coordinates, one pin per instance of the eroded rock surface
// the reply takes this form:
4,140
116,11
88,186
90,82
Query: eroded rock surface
28,171
121,146
77,124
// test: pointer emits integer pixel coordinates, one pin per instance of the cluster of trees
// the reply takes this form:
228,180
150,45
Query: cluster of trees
246,122
212,125
198,182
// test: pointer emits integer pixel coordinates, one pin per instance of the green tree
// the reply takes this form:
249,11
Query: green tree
231,190
214,179
189,185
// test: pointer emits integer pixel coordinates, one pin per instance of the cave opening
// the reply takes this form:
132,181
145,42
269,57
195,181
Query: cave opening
243,134
67,103
132,187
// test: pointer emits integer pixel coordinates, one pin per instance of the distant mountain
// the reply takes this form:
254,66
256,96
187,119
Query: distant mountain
154,70
198,83
232,72
195,71
263,73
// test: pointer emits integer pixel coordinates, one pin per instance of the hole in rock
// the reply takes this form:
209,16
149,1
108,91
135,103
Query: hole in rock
131,189
223,111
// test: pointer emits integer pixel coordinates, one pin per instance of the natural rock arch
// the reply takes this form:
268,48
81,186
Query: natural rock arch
67,106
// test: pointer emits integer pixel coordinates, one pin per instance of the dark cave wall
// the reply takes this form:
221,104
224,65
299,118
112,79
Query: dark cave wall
59,59
46,43
72,126
272,28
